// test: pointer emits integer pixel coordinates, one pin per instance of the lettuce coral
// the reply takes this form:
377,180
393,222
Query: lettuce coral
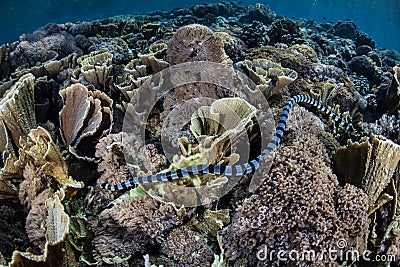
84,114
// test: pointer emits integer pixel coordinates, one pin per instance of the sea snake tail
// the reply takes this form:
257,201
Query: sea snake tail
235,170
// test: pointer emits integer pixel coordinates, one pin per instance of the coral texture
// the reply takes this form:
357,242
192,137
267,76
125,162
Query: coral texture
299,206
121,157
195,43
84,114
184,247
132,226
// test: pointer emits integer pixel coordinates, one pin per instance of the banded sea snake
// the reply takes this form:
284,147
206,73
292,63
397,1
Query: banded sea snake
234,170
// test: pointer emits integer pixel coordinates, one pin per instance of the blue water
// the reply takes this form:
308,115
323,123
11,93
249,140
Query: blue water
380,19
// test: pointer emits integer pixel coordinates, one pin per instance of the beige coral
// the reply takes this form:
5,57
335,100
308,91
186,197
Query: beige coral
95,68
17,108
370,164
140,69
51,222
269,76
39,150
195,43
17,118
84,114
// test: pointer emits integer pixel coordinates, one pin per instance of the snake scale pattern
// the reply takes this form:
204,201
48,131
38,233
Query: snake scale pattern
235,170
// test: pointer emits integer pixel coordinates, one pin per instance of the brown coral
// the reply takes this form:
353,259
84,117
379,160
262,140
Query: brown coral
186,92
269,76
295,208
95,68
35,181
184,247
113,244
36,220
131,226
393,94
17,108
121,157
39,151
140,69
195,43
52,222
12,232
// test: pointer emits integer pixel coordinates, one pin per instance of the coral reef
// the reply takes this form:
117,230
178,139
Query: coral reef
95,68
121,157
269,77
195,43
66,89
138,70
365,164
299,206
284,31
393,94
18,102
84,114
58,251
185,247
132,226
42,46
12,232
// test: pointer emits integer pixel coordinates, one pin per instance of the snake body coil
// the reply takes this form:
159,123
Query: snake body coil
235,170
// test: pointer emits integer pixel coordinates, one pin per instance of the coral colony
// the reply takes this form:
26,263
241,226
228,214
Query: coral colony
314,185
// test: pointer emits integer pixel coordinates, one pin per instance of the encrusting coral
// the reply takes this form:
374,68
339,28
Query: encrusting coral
84,114
195,42
298,206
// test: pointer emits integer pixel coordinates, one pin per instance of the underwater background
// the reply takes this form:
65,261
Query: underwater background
380,19
199,134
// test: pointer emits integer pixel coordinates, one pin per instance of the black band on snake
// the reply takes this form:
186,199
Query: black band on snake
235,170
